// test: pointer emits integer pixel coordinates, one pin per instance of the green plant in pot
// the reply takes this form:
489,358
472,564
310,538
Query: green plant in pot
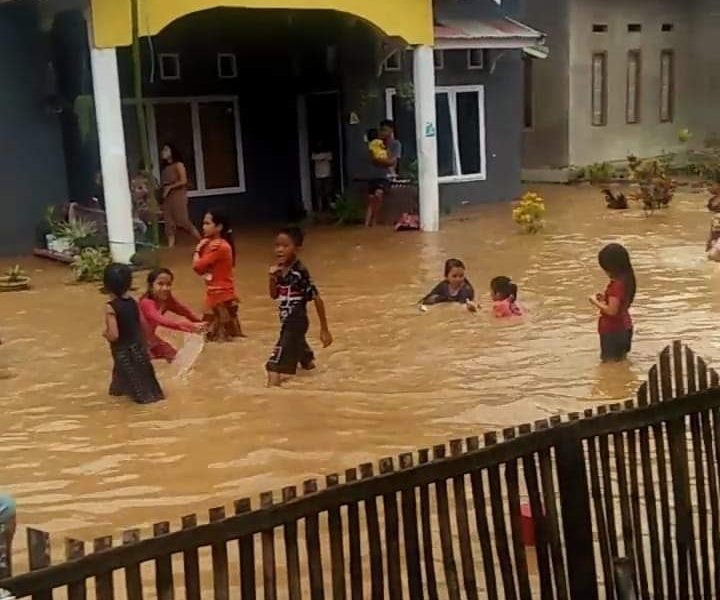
89,265
15,279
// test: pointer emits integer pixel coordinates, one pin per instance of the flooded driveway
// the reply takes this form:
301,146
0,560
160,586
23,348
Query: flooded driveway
83,464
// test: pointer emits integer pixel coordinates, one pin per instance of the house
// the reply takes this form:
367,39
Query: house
247,89
623,78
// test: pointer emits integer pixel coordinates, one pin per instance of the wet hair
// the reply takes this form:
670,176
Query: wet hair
220,218
152,278
372,135
615,260
453,263
117,279
175,156
295,234
388,123
504,287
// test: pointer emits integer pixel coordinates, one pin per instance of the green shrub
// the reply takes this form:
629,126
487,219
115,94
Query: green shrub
348,211
89,265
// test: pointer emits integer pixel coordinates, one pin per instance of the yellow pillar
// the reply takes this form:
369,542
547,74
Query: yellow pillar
408,19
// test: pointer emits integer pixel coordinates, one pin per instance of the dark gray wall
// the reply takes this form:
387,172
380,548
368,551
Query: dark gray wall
546,144
32,169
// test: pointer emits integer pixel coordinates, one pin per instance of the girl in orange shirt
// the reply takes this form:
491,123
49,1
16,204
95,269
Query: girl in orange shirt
214,259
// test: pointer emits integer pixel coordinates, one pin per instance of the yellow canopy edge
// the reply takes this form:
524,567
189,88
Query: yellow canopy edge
408,19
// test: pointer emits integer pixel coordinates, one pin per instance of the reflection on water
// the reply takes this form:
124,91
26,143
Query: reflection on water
83,464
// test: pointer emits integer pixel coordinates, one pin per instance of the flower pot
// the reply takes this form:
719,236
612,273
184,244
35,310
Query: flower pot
16,284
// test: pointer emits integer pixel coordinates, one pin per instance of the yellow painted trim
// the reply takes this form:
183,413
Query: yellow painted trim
408,19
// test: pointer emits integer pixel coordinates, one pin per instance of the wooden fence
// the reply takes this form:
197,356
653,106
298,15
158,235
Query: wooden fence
625,500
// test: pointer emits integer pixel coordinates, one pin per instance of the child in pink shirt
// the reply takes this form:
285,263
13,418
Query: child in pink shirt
504,294
154,304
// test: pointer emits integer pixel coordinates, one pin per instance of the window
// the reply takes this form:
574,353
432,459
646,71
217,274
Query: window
227,66
667,27
634,28
169,67
600,28
632,100
439,56
394,61
460,131
476,58
667,86
528,93
206,131
599,89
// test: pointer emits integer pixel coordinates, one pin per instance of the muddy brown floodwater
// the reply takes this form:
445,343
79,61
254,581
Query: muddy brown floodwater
83,464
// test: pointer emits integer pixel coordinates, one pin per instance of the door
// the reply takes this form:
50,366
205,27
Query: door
324,135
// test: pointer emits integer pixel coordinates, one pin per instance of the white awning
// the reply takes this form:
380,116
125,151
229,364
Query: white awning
501,33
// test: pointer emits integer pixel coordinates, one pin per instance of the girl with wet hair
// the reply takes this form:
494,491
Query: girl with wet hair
454,288
155,303
133,374
615,324
504,296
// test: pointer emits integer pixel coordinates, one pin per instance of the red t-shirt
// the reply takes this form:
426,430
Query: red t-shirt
622,320
215,264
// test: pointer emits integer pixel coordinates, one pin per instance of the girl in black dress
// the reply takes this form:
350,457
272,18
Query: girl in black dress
454,288
133,374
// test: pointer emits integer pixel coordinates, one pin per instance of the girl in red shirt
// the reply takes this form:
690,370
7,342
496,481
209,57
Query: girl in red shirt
214,259
615,325
159,300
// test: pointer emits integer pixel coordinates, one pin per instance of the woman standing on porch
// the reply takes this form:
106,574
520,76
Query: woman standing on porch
175,199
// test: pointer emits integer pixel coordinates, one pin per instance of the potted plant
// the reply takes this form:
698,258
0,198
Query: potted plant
89,265
14,280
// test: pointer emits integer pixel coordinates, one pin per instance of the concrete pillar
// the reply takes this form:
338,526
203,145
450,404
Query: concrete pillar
426,132
111,137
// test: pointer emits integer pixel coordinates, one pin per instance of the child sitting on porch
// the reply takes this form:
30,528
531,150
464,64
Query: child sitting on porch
214,259
155,303
454,288
504,295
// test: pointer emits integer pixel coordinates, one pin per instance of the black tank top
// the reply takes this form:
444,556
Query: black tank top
128,320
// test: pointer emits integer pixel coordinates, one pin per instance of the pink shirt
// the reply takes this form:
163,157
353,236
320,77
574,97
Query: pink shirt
506,308
155,317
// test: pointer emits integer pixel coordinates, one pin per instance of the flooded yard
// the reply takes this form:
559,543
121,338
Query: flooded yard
84,464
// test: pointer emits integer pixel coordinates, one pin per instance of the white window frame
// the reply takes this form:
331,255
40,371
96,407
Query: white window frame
633,91
474,66
439,59
176,59
194,102
388,67
452,92
667,86
233,61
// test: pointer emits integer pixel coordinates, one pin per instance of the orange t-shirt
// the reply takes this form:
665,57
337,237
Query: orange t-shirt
215,264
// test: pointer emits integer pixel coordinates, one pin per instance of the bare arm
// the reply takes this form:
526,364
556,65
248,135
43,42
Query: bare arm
609,308
111,333
182,179
325,335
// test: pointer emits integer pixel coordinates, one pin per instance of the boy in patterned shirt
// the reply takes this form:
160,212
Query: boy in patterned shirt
291,284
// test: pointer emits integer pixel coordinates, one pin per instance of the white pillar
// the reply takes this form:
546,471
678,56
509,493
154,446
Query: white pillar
111,137
426,132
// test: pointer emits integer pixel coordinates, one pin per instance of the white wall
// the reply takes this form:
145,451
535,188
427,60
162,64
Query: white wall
617,139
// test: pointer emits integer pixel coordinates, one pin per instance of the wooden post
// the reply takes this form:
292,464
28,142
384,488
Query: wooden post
624,580
577,522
